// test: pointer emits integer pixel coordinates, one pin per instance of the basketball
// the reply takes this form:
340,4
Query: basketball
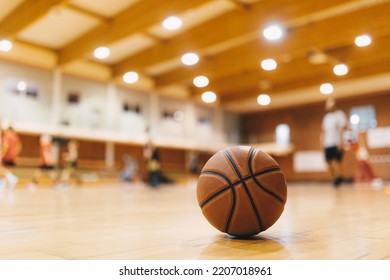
241,191
197,130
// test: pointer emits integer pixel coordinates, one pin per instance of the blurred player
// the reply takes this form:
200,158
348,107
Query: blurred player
10,149
333,125
70,158
130,168
47,161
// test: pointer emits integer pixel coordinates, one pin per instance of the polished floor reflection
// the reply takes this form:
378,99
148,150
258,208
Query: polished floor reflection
116,221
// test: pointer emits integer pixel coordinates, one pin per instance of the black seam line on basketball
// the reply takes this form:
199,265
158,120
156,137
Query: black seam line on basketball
218,174
265,171
235,167
252,153
229,219
229,187
232,185
259,220
253,204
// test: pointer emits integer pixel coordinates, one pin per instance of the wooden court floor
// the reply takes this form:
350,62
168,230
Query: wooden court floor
117,221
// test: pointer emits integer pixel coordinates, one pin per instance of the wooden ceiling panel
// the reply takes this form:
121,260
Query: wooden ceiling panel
136,18
190,18
25,14
226,27
128,46
225,33
7,7
61,26
298,74
322,35
105,8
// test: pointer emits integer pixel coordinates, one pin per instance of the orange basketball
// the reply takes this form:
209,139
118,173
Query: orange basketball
241,191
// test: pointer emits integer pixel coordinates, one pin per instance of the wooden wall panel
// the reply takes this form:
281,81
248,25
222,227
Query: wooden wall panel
173,159
305,128
30,145
135,151
91,150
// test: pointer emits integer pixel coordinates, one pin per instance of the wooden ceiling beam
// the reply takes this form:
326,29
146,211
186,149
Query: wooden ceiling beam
87,12
25,14
369,61
354,57
226,27
136,18
368,70
260,81
322,35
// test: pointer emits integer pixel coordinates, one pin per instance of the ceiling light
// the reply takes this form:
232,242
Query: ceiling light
269,64
264,99
201,81
130,77
209,97
340,69
326,88
190,58
172,23
21,86
101,52
354,119
273,32
5,45
363,40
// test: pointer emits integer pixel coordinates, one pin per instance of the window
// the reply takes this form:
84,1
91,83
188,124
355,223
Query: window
135,108
282,134
21,87
73,98
363,118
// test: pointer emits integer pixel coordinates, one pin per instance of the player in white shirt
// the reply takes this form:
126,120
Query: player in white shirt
334,124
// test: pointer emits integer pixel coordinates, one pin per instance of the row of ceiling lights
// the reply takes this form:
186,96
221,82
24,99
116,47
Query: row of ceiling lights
272,32
131,77
269,64
188,59
342,69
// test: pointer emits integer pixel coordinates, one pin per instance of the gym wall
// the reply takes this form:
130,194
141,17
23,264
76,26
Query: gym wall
305,128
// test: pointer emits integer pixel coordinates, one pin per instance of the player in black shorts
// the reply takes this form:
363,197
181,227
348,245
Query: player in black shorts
334,124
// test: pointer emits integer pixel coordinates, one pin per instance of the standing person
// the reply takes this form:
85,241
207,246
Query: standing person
10,149
333,125
130,168
364,171
152,160
152,157
11,146
153,163
70,157
47,161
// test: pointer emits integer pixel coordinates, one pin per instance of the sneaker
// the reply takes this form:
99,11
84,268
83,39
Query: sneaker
337,182
377,183
3,184
32,186
12,180
60,186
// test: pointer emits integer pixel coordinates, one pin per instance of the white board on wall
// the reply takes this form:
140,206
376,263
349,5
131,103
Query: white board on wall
309,161
378,137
